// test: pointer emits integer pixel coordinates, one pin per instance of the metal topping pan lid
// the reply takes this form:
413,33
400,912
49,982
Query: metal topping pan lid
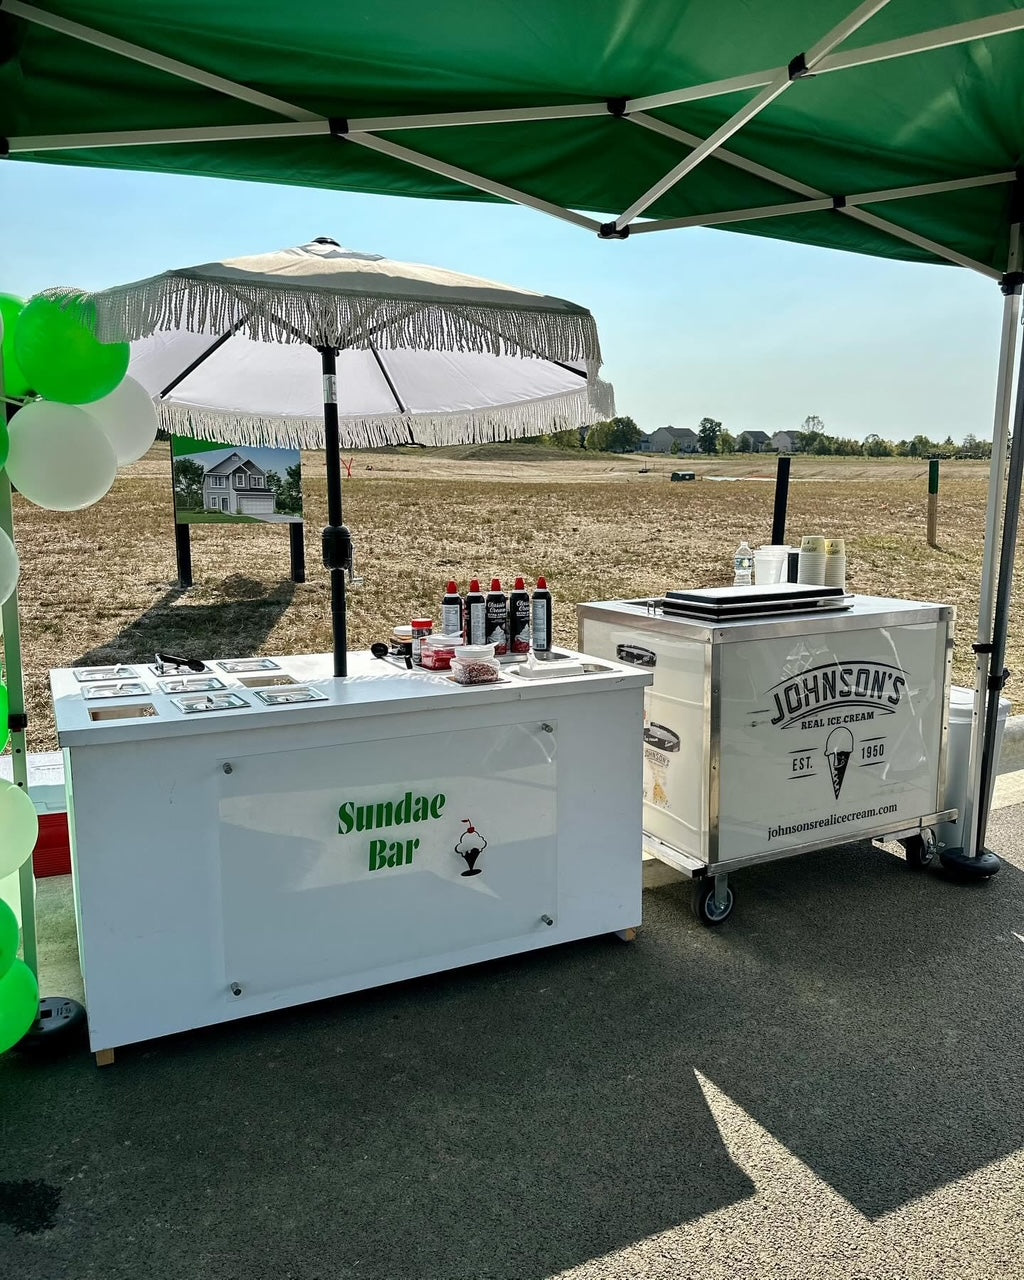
194,703
287,696
87,674
249,664
115,689
191,684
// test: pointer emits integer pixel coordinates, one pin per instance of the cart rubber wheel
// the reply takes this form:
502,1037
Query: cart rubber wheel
920,850
706,909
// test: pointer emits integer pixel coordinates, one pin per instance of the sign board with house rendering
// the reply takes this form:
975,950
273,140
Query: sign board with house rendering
216,483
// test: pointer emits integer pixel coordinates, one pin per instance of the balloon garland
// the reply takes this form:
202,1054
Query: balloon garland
79,418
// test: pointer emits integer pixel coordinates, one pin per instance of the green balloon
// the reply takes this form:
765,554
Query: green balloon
19,1004
8,937
15,382
5,732
61,357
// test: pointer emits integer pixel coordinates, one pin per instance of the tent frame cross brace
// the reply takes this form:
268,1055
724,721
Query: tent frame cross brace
822,58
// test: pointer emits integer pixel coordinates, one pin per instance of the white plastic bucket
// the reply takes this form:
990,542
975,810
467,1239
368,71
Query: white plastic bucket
958,751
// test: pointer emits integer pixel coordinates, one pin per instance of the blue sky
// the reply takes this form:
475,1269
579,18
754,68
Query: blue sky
754,332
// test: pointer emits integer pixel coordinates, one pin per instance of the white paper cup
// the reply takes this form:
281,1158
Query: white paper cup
811,569
815,545
835,547
835,571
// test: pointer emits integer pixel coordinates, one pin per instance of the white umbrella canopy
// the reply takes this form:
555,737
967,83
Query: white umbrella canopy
407,353
248,392
426,355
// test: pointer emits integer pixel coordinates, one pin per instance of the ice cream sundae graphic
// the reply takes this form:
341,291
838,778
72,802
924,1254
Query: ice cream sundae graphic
470,846
838,749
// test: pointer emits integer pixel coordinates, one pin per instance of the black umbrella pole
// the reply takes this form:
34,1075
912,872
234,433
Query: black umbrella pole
337,543
781,502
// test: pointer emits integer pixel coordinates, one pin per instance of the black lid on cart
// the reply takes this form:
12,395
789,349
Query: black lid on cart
723,603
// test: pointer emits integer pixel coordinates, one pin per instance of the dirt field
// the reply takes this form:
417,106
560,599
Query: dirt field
100,585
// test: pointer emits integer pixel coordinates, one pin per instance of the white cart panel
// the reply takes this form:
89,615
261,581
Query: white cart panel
327,873
827,732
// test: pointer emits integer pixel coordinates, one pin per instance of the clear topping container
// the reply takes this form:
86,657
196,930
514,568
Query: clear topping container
437,652
482,670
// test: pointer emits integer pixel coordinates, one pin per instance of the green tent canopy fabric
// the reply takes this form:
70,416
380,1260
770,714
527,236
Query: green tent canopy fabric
907,94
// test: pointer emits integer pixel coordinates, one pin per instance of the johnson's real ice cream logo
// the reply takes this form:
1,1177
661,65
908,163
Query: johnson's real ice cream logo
837,693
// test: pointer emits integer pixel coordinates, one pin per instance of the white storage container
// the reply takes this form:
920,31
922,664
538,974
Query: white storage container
961,712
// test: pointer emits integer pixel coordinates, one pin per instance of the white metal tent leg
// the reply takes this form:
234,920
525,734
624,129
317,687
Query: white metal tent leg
19,757
996,496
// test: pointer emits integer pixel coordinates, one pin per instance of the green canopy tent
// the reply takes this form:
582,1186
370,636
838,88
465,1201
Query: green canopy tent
893,128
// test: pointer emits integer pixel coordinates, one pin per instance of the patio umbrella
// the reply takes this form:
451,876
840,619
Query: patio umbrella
408,354
891,127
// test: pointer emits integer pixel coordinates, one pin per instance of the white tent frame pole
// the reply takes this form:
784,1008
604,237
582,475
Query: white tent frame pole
863,13
495,115
166,137
941,38
815,206
16,699
813,193
382,145
989,568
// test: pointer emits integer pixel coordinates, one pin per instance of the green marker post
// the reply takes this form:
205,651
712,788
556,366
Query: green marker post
933,501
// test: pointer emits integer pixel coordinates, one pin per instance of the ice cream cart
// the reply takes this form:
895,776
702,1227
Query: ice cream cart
259,834
784,726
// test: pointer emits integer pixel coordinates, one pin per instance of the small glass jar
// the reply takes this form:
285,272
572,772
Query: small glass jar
476,670
420,627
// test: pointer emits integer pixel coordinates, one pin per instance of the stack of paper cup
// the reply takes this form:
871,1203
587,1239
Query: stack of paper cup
770,565
835,563
812,562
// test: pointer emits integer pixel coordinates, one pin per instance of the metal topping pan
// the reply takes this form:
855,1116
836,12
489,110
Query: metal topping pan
115,689
234,665
196,703
286,696
191,684
85,675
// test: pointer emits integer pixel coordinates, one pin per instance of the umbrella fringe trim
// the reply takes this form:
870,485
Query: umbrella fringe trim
480,426
128,313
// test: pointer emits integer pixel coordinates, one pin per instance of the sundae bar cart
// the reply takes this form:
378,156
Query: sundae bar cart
782,720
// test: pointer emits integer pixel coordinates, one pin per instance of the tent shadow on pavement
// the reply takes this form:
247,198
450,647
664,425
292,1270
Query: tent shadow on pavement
236,626
517,1119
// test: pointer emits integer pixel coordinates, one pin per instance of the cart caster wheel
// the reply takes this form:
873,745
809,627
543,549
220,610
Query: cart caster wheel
706,909
920,850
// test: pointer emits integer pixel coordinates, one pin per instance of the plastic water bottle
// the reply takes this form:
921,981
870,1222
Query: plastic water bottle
744,562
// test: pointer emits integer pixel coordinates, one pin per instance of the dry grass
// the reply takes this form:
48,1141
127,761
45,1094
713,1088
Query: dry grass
100,585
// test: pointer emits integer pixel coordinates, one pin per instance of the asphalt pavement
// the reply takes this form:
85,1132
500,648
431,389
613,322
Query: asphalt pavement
827,1086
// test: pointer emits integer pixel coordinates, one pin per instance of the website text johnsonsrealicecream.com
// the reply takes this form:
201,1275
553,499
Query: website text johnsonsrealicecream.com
833,820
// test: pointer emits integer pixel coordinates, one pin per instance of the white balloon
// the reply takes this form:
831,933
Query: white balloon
127,417
9,568
59,459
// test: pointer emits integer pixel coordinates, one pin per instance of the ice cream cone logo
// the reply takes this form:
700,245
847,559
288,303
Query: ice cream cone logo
470,846
838,749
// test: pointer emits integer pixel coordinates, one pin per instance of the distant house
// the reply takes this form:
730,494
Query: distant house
759,440
238,487
662,440
787,441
